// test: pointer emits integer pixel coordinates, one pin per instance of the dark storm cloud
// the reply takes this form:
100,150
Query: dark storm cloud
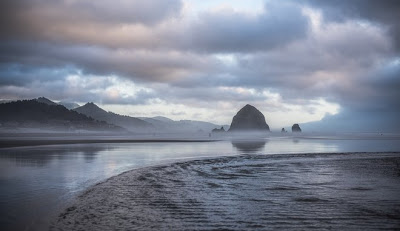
143,66
84,22
227,31
13,74
370,105
212,32
374,97
20,15
350,120
217,55
383,87
128,25
384,12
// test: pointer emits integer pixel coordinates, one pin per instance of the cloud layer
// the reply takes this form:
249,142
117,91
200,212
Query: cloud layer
298,61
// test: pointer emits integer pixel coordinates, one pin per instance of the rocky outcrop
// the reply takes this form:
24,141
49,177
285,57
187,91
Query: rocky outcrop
249,118
296,128
218,129
283,130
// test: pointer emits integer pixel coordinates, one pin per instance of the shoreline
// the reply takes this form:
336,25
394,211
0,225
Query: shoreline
14,140
14,143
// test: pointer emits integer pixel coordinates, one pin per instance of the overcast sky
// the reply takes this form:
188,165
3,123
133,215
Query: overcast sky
296,61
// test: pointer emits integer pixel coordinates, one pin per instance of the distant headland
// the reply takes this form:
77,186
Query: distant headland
43,115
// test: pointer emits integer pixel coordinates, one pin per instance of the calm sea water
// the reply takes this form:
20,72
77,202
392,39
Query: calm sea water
37,182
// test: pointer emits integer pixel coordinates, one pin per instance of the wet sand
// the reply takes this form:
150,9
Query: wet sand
10,140
37,139
26,142
350,191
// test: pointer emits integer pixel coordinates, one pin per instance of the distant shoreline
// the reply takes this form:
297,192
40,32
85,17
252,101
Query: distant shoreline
14,140
13,143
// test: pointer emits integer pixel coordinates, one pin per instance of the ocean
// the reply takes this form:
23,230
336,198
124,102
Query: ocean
322,182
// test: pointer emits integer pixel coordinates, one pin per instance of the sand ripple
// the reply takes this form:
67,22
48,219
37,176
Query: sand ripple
307,191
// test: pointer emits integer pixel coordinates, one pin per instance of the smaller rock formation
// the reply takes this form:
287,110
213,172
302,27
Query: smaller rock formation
218,129
283,130
296,128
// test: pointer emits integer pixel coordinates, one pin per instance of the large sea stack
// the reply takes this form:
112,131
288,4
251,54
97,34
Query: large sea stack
296,128
249,118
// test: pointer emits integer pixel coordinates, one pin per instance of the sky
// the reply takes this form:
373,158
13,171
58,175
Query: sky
333,64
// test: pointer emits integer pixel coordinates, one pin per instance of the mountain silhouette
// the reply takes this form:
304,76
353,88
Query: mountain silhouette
45,114
164,124
130,123
46,101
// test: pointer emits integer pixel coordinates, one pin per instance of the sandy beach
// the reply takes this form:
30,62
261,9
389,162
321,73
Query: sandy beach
39,139
27,142
92,182
350,191
10,140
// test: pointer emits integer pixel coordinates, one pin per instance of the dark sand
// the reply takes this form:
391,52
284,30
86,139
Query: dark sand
22,142
11,140
337,191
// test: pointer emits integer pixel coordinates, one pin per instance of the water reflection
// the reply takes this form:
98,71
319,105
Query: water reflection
43,156
249,146
35,180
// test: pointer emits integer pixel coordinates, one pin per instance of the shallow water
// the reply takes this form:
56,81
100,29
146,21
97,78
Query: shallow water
37,182
313,191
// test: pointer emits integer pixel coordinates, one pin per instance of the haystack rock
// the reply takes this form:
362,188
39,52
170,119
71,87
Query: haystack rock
249,118
296,128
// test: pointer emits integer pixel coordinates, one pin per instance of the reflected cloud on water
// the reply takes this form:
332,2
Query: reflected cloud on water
40,157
